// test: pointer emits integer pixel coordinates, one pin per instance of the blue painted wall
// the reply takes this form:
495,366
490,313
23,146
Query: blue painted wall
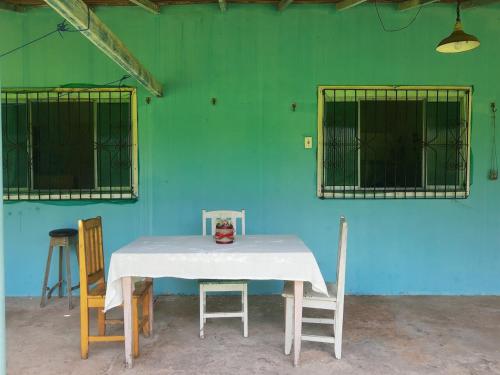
256,62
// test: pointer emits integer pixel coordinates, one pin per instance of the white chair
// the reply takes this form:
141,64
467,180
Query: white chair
223,285
334,301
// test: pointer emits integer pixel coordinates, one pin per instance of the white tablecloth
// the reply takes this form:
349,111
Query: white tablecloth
252,257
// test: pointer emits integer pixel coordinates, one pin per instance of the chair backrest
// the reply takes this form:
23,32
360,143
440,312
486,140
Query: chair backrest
341,259
223,214
90,252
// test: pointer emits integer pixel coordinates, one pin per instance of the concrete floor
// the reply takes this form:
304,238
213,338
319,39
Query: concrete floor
382,335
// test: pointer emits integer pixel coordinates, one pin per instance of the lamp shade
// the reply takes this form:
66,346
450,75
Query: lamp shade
458,41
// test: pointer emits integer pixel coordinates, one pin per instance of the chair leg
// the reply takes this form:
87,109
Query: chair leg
101,322
135,328
245,311
339,317
84,330
145,313
242,305
59,291
150,302
334,320
46,276
288,325
67,254
205,307
202,311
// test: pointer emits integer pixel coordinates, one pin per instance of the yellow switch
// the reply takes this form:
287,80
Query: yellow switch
308,142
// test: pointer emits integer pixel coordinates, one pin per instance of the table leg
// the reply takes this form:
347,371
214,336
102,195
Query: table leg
298,290
127,319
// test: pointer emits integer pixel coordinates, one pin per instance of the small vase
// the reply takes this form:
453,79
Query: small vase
224,235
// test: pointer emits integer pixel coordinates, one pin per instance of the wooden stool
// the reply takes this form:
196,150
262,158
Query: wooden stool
63,238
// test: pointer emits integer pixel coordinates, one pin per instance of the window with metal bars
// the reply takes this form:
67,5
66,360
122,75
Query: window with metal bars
69,143
393,142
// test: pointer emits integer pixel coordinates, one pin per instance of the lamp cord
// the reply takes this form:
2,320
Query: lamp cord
400,28
494,157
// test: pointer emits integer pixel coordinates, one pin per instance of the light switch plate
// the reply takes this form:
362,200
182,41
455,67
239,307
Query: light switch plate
308,142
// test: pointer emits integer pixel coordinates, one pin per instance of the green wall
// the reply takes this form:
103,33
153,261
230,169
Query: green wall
2,285
247,151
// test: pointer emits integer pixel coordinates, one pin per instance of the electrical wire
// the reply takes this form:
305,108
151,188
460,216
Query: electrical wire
61,28
119,81
400,28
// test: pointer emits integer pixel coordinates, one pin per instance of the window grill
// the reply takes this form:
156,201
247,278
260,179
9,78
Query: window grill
393,142
68,143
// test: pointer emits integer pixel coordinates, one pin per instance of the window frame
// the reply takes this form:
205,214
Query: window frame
32,95
377,193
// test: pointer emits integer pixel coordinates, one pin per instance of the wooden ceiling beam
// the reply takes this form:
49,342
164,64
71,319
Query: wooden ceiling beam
10,7
348,4
147,5
30,3
82,18
412,4
283,4
475,3
222,5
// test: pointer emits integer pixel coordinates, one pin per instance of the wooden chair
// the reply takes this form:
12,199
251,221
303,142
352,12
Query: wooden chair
334,301
93,291
223,285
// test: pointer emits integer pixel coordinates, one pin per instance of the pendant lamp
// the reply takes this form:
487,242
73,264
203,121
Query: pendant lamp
458,41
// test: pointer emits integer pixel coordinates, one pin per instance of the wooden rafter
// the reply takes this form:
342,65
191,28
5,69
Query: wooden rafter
283,4
475,3
10,7
147,5
222,5
347,4
411,4
82,18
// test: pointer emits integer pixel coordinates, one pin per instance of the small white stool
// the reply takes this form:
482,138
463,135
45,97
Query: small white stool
223,286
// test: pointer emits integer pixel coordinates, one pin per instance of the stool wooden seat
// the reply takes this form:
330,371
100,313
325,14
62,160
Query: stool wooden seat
65,232
65,238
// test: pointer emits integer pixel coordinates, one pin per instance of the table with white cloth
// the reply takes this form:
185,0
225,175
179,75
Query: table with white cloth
251,257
